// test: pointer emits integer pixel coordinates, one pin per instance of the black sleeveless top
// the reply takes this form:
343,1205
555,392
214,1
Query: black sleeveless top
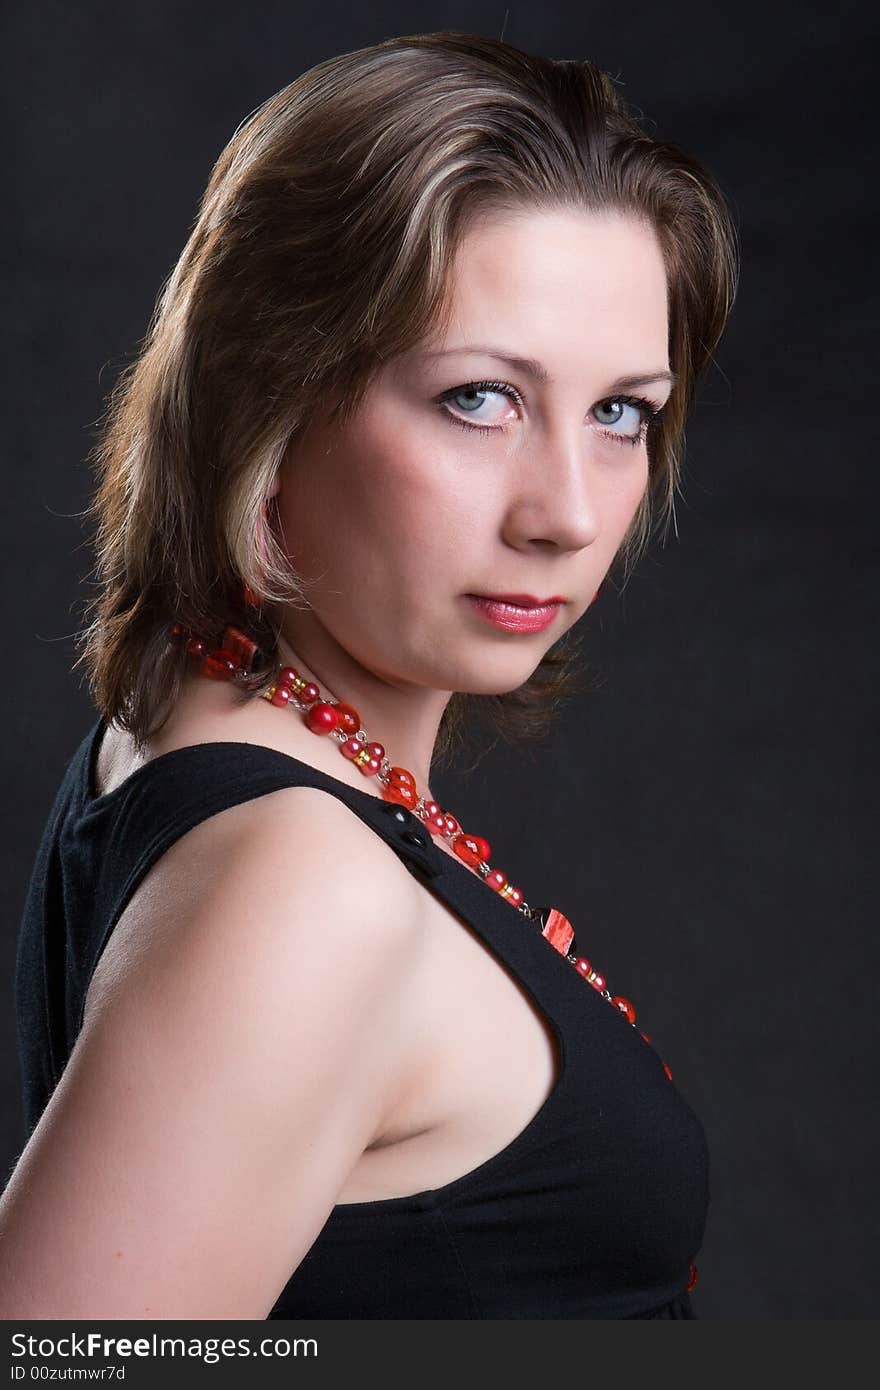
594,1210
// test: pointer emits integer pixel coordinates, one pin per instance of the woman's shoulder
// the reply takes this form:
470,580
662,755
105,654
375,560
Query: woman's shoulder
289,842
276,853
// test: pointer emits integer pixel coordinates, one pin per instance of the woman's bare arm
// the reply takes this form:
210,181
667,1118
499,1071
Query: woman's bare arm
244,1034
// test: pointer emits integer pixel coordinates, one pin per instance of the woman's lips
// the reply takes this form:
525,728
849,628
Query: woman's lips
512,617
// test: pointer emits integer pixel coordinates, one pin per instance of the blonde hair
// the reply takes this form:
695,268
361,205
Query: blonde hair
323,246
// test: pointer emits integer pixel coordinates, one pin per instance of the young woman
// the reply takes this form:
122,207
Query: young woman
293,1043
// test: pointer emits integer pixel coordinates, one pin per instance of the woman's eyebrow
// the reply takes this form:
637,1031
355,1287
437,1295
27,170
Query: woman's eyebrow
539,372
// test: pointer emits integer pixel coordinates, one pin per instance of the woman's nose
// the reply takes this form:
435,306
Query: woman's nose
556,499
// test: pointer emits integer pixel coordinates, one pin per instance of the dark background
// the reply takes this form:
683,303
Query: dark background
704,816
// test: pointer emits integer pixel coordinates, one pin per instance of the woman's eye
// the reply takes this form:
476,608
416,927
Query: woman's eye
642,414
471,400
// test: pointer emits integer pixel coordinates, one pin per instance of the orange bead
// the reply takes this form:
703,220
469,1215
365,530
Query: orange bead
403,777
484,849
400,794
349,719
466,849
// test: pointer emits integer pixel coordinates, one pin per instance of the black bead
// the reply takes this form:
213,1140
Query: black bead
415,837
399,813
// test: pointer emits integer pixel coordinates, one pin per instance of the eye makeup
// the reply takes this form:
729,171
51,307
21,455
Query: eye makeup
651,414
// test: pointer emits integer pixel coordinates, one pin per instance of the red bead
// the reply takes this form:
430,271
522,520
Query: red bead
287,675
402,777
351,748
309,694
647,1039
692,1277
436,823
349,719
430,809
625,1007
467,849
370,766
668,1072
321,718
515,896
220,665
281,696
583,966
239,646
400,794
558,930
195,647
496,880
598,982
452,826
376,750
484,849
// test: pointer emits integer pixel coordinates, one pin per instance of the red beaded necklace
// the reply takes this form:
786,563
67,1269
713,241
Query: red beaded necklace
342,722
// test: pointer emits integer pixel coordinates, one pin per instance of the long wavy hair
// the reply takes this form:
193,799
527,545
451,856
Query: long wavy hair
323,246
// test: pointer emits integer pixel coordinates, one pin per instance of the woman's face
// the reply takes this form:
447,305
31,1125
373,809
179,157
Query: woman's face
465,473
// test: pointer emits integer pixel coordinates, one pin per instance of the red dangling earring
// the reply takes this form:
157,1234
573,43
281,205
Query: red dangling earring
236,650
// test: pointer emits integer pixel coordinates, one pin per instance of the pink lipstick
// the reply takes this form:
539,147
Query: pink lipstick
516,612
